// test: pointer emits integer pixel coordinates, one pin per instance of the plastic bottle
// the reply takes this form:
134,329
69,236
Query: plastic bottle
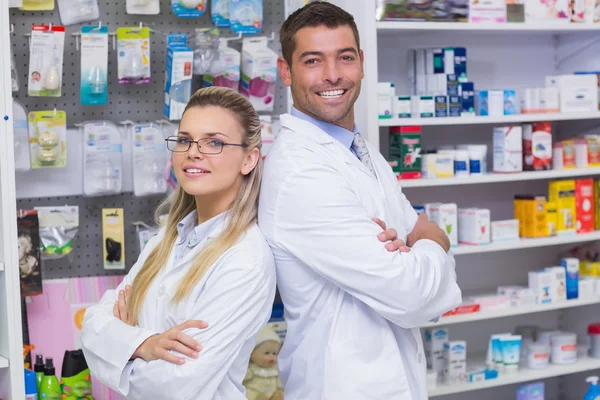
50,388
38,368
593,392
31,391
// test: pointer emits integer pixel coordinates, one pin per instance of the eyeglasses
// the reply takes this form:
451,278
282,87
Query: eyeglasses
182,144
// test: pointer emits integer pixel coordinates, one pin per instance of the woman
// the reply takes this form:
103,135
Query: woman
183,322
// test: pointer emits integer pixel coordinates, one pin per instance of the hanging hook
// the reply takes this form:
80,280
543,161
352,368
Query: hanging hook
137,224
12,28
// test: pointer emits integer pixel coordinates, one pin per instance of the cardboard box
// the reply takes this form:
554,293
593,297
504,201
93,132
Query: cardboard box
455,356
423,106
386,93
435,340
467,99
551,218
178,83
448,221
504,231
454,106
563,194
441,106
558,283
534,217
571,266
584,205
508,149
540,282
474,226
405,146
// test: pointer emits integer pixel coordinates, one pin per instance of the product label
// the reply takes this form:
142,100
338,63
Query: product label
46,61
113,234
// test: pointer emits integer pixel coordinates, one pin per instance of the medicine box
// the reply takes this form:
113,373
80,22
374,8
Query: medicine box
441,106
490,102
455,356
584,205
487,11
596,205
540,282
423,106
504,231
537,146
535,217
435,340
578,92
448,221
558,283
593,151
403,107
405,145
386,93
454,106
467,99
581,153
474,226
452,85
532,391
444,165
178,83
508,149
551,218
571,266
563,194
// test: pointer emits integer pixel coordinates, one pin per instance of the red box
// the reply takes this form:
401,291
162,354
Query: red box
584,205
537,146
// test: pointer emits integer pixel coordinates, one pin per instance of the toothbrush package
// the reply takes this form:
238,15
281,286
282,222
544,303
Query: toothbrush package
143,7
178,82
77,11
48,139
21,137
259,73
246,16
133,47
102,158
149,160
94,65
224,71
219,12
188,8
46,60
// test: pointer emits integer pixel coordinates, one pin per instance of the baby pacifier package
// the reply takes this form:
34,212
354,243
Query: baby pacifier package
48,139
246,16
259,73
188,8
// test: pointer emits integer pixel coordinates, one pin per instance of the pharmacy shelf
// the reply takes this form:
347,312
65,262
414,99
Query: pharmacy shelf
3,362
527,243
1,266
391,26
523,375
501,119
508,312
499,178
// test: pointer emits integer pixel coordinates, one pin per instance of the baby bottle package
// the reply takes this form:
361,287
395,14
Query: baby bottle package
102,158
76,11
46,60
246,16
21,137
259,73
225,70
219,12
149,160
143,7
133,46
188,8
178,82
94,65
205,43
48,139
38,5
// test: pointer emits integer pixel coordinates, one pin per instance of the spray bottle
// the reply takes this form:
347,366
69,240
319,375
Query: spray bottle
38,368
50,388
593,392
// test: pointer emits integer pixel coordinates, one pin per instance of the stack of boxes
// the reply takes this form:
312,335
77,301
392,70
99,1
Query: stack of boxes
447,358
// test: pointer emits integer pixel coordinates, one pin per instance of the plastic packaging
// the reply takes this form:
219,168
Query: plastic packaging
14,74
246,16
94,65
50,387
38,368
219,11
75,376
259,73
205,43
58,228
494,354
594,339
564,348
38,5
46,60
48,139
149,160
188,8
511,352
133,45
225,70
102,158
538,356
77,11
143,7
21,137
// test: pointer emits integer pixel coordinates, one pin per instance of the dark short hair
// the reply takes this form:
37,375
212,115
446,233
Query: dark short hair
319,13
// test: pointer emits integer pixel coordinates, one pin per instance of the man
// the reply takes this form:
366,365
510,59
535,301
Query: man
353,305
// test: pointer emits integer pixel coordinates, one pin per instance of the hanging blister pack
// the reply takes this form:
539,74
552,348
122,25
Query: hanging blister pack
46,60
102,158
188,8
259,73
15,3
14,74
48,139
225,70
219,11
149,160
246,16
77,11
38,5
21,137
143,7
205,44
94,65
58,229
133,46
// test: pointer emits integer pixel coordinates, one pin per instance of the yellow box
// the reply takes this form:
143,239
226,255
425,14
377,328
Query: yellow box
536,221
519,202
113,238
562,193
551,217
589,269
596,204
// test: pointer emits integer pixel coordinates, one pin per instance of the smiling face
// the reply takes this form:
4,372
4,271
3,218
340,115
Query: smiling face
265,354
326,73
217,177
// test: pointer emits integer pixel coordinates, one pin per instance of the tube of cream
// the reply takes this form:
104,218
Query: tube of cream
496,350
511,351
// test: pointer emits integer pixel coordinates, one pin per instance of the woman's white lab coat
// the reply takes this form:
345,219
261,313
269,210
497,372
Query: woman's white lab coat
235,298
353,309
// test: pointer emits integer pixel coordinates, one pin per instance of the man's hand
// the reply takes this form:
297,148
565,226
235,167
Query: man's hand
425,229
391,236
159,347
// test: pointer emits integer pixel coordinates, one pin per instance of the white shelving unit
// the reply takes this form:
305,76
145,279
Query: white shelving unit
465,26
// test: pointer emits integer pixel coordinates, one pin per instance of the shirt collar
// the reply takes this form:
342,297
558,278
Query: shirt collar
207,229
342,135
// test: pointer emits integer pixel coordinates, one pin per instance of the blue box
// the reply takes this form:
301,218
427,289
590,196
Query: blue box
572,277
178,82
460,63
438,61
533,391
467,98
452,88
454,106
441,106
510,102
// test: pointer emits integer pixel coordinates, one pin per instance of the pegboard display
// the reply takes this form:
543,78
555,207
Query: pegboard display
140,103
86,258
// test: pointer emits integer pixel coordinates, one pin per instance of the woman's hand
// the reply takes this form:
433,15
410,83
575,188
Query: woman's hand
158,347
120,308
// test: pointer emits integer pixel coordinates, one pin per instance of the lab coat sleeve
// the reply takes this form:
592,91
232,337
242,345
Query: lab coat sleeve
107,342
236,302
321,221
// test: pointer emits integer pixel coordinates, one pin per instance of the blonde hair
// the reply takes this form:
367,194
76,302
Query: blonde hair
241,215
